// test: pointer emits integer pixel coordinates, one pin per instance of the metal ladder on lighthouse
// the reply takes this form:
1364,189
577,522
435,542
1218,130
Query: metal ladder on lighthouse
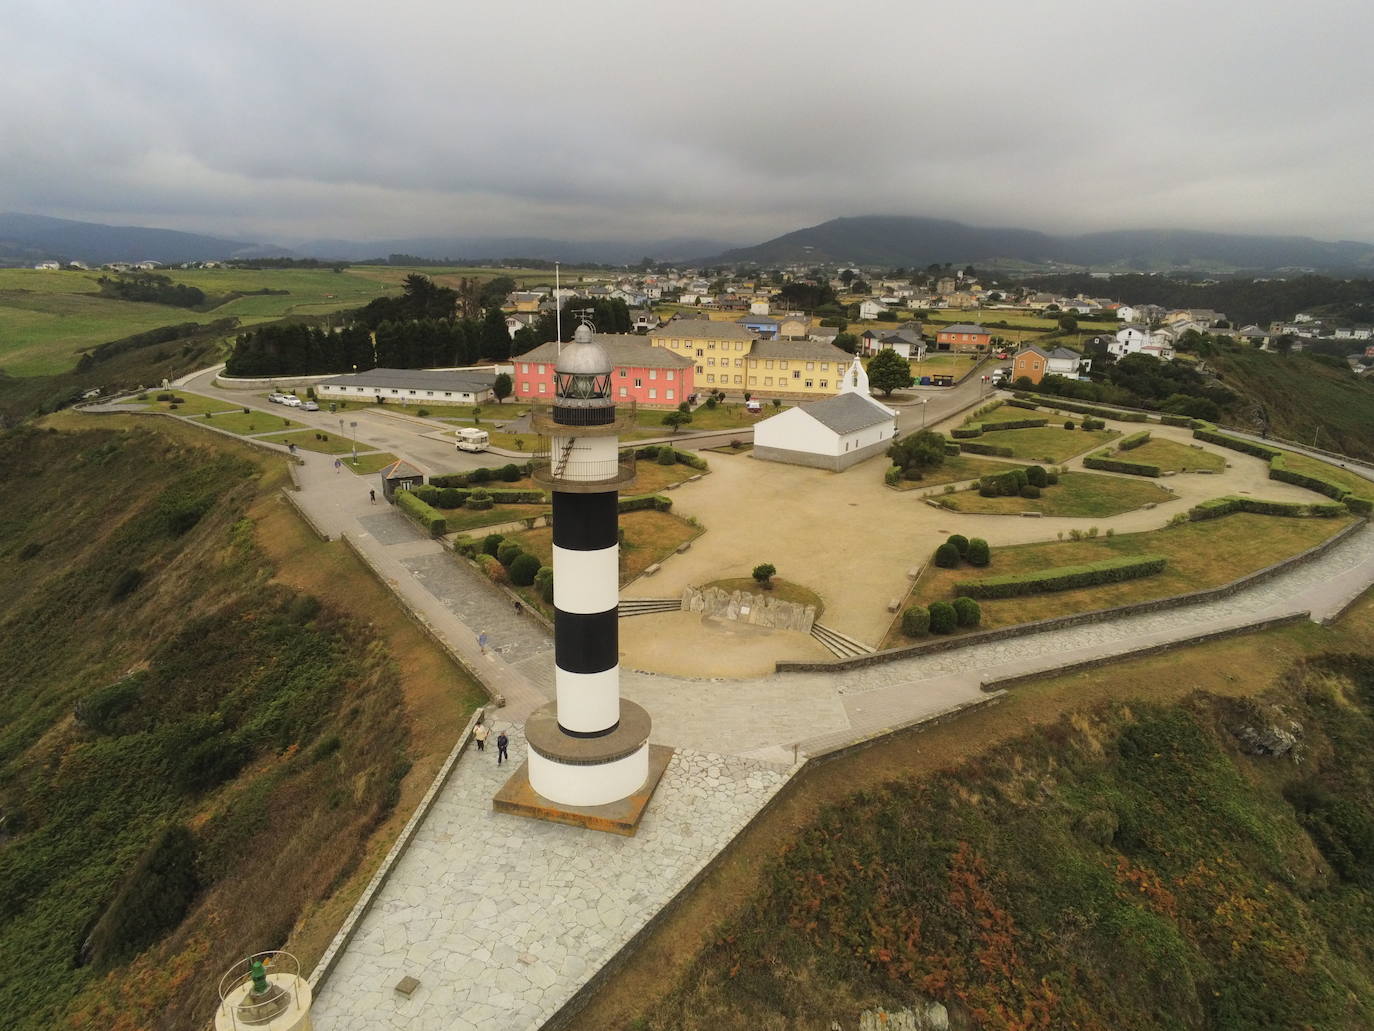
563,458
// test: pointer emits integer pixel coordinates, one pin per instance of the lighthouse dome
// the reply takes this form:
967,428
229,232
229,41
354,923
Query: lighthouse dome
583,357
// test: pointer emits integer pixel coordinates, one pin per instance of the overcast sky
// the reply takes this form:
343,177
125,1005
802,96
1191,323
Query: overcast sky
729,119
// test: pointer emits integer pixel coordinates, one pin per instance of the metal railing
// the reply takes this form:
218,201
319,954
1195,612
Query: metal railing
575,414
565,473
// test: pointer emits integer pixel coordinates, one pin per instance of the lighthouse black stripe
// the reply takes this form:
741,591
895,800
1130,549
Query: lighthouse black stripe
586,642
585,522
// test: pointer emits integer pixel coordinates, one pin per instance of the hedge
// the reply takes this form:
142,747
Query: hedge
640,502
951,449
1278,469
977,429
1133,440
1178,420
1208,433
483,475
415,509
1102,460
1074,406
985,449
686,458
1018,403
1063,578
1218,507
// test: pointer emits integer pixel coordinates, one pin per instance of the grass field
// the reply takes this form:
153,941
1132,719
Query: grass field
310,440
1048,443
1200,555
191,404
367,464
252,423
956,469
649,537
1170,455
472,519
721,417
1086,495
1329,472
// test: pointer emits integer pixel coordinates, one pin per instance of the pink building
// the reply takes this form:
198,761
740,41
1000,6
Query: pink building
648,375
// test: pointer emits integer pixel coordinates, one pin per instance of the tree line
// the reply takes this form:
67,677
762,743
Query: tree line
151,288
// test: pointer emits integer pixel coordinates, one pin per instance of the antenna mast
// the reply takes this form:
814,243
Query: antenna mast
557,308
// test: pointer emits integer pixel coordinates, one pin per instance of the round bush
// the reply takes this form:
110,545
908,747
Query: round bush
543,583
960,543
490,543
942,618
1021,477
967,612
1037,476
479,500
1030,491
988,490
1051,478
912,473
496,572
479,476
510,473
915,621
450,497
508,552
1068,424
947,556
666,456
978,554
524,569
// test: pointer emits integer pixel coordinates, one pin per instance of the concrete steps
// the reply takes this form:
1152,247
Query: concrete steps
646,606
841,645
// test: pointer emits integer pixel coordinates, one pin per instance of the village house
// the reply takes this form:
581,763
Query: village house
831,434
410,386
727,355
871,309
907,340
648,375
962,336
1035,363
1142,340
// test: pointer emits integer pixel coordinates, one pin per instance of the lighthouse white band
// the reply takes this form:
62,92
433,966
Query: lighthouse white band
589,785
588,703
586,581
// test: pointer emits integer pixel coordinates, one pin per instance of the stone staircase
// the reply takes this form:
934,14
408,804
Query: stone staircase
646,606
841,645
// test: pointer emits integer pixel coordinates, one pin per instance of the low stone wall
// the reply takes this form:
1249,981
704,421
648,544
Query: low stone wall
300,511
1077,619
743,607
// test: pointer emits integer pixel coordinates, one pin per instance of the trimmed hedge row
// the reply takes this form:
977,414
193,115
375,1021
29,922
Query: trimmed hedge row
640,502
684,457
1278,469
456,497
1208,433
1082,409
1063,578
985,449
1016,402
1102,460
1217,507
1179,420
428,518
1133,440
482,475
977,429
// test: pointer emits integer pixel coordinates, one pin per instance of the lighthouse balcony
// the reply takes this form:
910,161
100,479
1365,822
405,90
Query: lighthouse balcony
573,474
599,417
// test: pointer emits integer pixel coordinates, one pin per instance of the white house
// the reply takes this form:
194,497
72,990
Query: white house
758,307
906,341
411,386
1143,340
831,434
871,309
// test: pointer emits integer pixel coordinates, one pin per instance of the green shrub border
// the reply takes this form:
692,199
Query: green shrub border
1063,578
1278,469
651,451
428,518
1104,460
1074,406
1217,507
1133,440
985,449
640,502
977,429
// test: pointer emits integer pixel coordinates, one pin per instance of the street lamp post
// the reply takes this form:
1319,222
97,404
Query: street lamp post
354,427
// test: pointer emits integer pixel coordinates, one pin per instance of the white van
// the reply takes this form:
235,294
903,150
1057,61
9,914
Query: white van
470,439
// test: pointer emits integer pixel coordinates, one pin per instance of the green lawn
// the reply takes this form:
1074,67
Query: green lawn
468,518
1086,495
1170,455
1203,554
1331,473
1048,443
191,404
650,537
1004,413
956,469
721,417
311,440
253,422
366,464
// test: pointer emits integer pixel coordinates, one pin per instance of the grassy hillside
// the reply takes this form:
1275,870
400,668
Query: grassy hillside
1136,866
1302,397
208,724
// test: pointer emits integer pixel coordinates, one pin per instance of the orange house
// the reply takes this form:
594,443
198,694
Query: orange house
1030,363
962,337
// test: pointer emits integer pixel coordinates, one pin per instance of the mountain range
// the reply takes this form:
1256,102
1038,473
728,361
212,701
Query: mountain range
861,240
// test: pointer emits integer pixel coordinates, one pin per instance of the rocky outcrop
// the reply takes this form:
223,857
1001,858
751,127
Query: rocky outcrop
757,609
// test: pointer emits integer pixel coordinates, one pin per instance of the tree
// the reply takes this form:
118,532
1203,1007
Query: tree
847,276
1068,324
889,371
501,387
764,574
919,451
495,335
859,286
676,419
847,342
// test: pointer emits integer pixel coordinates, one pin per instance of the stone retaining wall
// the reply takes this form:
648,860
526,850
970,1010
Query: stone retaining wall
306,516
1077,619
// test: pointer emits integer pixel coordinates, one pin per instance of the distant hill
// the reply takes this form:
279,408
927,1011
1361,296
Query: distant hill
470,248
30,238
911,241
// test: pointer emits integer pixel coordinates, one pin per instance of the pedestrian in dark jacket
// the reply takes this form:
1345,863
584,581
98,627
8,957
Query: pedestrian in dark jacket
501,744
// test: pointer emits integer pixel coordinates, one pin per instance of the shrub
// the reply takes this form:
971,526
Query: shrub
893,476
915,621
1037,477
510,472
508,552
640,502
667,456
427,493
1051,478
543,583
960,542
1022,477
1030,490
415,509
978,552
480,476
451,497
1134,440
1068,424
967,612
764,573
493,569
988,490
422,412
710,402
985,449
152,900
490,543
1102,460
524,569
947,556
479,500
102,707
1064,578
943,619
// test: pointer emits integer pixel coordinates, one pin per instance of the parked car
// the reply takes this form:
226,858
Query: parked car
291,401
310,406
276,398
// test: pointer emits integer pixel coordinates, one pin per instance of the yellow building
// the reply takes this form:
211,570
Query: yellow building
731,358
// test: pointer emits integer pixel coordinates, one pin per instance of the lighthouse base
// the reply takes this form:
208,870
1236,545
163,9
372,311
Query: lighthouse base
603,783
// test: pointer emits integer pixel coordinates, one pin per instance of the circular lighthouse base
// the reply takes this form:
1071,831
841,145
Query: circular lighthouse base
588,771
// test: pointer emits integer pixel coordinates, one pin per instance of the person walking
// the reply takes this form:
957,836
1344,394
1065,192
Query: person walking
479,734
502,742
519,608
482,642
338,464
373,495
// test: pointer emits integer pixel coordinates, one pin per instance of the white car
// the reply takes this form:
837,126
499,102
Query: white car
310,406
291,401
276,398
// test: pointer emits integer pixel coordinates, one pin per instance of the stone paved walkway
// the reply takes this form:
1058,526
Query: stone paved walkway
502,919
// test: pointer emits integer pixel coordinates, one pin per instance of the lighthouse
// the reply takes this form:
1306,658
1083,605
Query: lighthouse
590,747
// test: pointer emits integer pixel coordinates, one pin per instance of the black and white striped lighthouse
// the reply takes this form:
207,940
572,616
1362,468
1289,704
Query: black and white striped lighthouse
589,747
